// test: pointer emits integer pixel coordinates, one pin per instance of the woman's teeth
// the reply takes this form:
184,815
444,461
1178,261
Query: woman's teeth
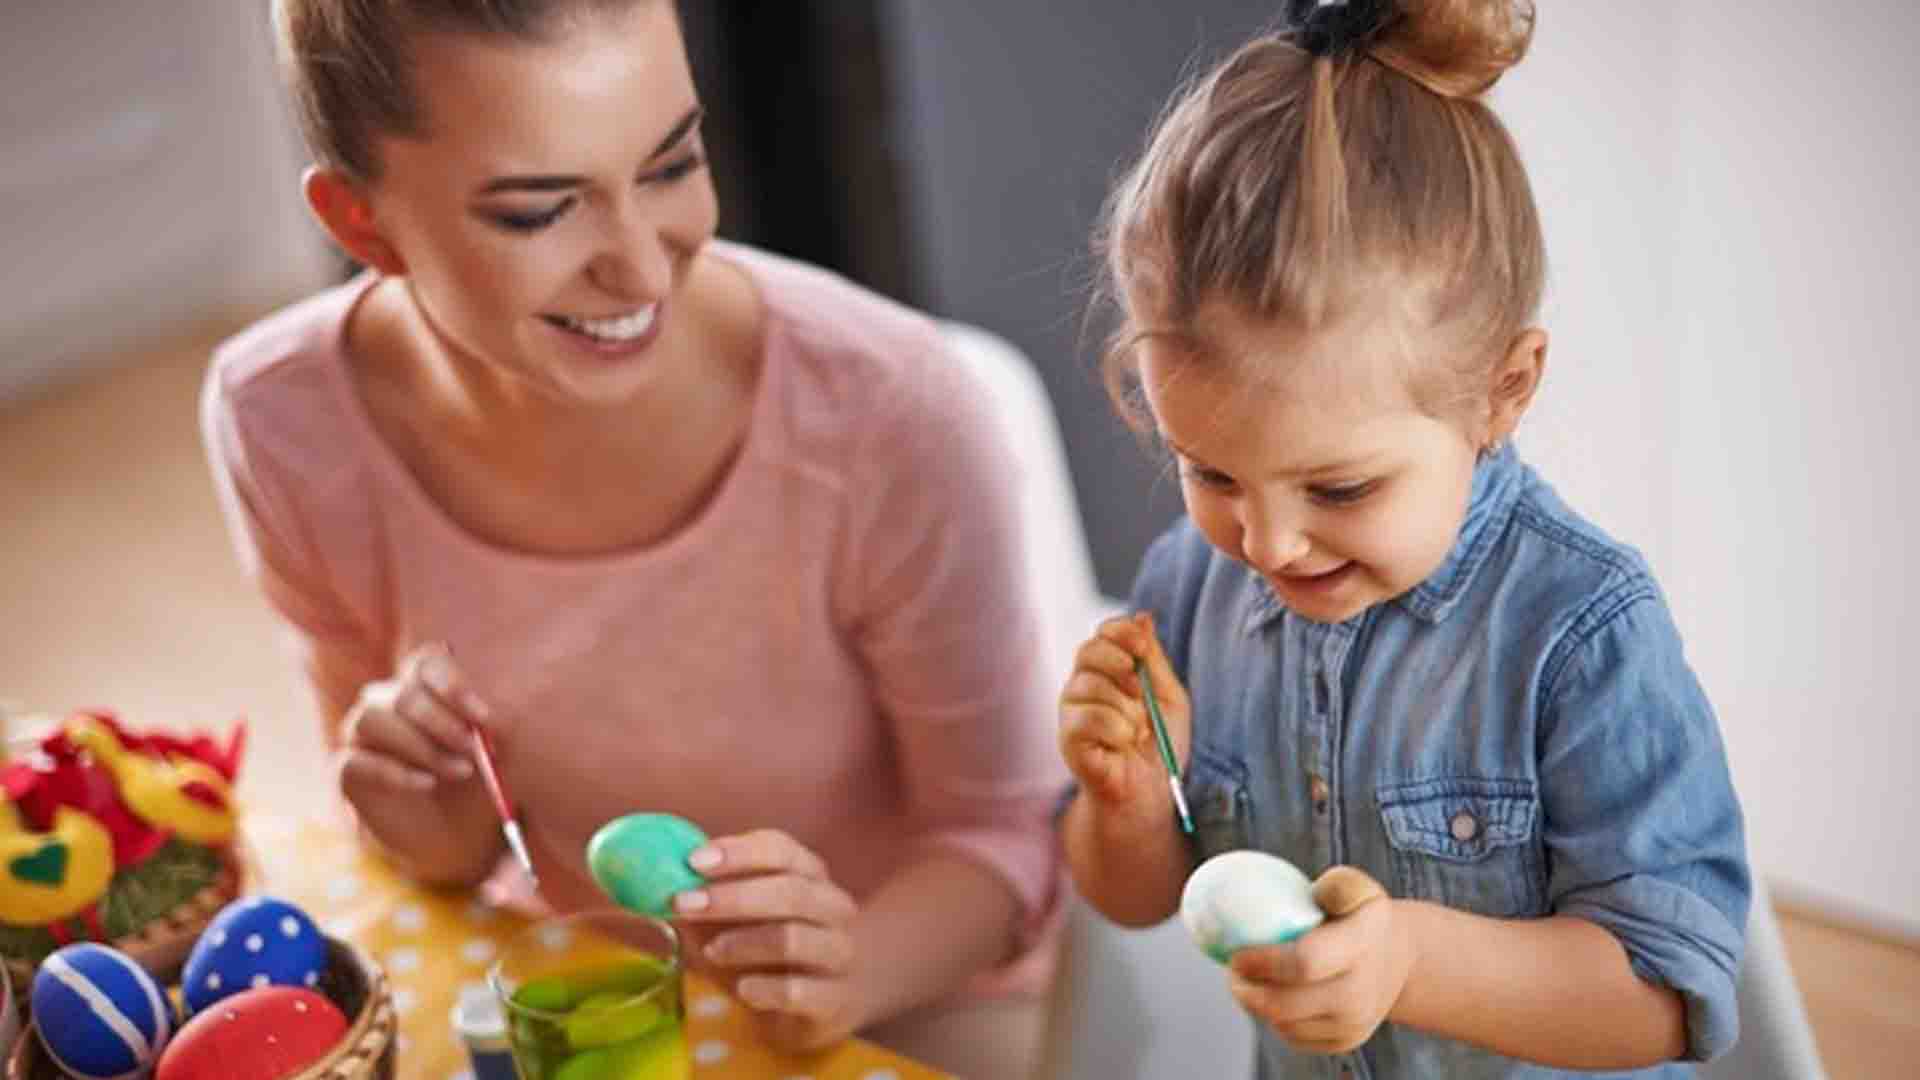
622,328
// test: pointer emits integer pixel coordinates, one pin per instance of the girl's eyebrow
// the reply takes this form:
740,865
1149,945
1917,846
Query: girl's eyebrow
544,183
1358,464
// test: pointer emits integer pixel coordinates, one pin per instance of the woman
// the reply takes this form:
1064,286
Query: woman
684,526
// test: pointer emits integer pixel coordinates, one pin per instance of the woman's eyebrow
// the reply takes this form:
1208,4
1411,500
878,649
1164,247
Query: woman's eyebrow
561,182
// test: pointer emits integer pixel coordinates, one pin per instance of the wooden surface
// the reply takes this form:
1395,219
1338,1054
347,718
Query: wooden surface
117,587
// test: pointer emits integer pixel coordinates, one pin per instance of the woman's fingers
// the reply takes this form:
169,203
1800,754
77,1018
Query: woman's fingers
782,946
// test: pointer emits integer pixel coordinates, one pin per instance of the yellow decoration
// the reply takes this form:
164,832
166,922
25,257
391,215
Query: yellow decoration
155,788
50,876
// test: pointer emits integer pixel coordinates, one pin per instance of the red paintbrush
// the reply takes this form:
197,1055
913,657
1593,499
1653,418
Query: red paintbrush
509,820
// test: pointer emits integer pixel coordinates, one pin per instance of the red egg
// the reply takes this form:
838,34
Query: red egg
265,1033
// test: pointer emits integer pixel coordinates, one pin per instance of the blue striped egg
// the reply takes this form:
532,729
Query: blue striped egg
254,941
99,1014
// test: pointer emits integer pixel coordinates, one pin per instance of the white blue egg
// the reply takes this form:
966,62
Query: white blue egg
1245,899
254,941
99,1014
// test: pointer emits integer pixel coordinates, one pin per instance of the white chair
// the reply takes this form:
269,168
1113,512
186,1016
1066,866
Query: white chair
1145,1004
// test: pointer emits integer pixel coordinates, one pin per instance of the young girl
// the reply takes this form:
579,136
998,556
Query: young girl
1388,652
688,527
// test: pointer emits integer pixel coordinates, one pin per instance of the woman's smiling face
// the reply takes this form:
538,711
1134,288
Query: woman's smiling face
554,206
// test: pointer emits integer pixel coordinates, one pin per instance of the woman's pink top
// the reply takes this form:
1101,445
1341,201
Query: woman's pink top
840,645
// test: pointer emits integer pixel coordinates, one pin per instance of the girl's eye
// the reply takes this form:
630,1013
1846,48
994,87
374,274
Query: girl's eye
1205,477
1345,495
534,221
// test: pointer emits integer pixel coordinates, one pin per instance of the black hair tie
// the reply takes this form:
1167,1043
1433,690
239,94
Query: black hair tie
1334,28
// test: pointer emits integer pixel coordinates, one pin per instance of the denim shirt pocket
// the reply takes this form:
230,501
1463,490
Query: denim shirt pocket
1217,798
1467,842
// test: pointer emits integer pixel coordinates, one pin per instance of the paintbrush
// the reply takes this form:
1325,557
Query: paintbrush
509,820
1166,746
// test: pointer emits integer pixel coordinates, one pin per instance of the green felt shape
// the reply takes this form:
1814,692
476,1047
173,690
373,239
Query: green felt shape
48,866
640,860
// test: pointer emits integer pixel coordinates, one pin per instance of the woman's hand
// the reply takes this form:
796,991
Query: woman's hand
1326,992
406,765
772,925
1105,733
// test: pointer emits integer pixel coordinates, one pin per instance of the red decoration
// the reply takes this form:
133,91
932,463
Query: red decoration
265,1033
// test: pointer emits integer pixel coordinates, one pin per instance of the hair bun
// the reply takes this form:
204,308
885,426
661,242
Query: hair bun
1335,28
1456,48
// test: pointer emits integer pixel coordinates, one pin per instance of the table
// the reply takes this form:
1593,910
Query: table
433,943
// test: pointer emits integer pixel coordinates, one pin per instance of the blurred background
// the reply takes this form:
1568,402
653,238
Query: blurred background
1728,190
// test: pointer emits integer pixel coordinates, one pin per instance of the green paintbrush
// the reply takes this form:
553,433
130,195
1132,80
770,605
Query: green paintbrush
1166,746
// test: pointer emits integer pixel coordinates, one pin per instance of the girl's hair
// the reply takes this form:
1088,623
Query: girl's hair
1304,178
348,70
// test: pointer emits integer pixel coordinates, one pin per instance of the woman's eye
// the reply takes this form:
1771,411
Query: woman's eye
535,220
1344,495
678,170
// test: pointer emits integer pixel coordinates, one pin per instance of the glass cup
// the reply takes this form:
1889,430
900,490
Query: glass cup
594,996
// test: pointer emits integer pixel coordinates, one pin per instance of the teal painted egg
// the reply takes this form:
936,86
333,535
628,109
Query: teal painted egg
640,860
1245,899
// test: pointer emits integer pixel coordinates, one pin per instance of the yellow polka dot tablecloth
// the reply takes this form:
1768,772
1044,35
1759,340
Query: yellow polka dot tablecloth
435,944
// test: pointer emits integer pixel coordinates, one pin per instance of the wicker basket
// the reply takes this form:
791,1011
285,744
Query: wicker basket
162,945
352,981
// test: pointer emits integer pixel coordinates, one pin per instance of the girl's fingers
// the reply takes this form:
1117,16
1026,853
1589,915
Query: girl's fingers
1102,726
782,946
1107,657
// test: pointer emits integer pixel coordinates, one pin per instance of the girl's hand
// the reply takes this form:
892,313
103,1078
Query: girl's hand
408,735
1326,992
1105,733
771,924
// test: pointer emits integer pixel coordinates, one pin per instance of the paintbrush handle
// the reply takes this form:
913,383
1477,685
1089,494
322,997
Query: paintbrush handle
1165,743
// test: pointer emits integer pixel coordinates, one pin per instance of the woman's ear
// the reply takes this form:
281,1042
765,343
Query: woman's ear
1515,380
343,210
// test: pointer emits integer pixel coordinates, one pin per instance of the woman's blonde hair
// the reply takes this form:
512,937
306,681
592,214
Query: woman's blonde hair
1305,176
347,66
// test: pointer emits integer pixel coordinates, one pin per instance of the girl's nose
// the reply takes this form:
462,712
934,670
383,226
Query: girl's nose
1269,543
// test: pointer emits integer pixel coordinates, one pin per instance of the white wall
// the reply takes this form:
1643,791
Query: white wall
1729,196
148,179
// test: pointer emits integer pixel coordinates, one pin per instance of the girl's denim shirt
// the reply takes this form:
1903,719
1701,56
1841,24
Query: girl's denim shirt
1518,736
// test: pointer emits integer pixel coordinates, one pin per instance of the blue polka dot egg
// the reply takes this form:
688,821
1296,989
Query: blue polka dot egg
254,941
99,1014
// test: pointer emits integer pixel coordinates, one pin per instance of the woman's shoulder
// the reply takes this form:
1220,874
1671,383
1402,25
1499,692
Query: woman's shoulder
273,391
291,351
850,337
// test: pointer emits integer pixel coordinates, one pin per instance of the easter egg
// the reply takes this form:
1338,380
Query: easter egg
1242,899
263,1033
640,860
254,941
99,1014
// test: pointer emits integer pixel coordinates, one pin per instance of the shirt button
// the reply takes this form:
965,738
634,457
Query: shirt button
1464,827
1320,793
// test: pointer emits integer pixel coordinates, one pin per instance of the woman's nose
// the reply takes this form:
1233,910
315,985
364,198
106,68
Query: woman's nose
635,263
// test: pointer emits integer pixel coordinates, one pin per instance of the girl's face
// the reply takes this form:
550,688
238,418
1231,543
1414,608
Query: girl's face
551,214
1320,473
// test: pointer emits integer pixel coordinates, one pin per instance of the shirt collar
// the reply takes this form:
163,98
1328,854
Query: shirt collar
1496,487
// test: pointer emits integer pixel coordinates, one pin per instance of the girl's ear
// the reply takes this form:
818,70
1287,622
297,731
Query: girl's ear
343,210
1515,380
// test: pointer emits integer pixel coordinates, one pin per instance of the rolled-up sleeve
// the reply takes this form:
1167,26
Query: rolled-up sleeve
944,619
1643,829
